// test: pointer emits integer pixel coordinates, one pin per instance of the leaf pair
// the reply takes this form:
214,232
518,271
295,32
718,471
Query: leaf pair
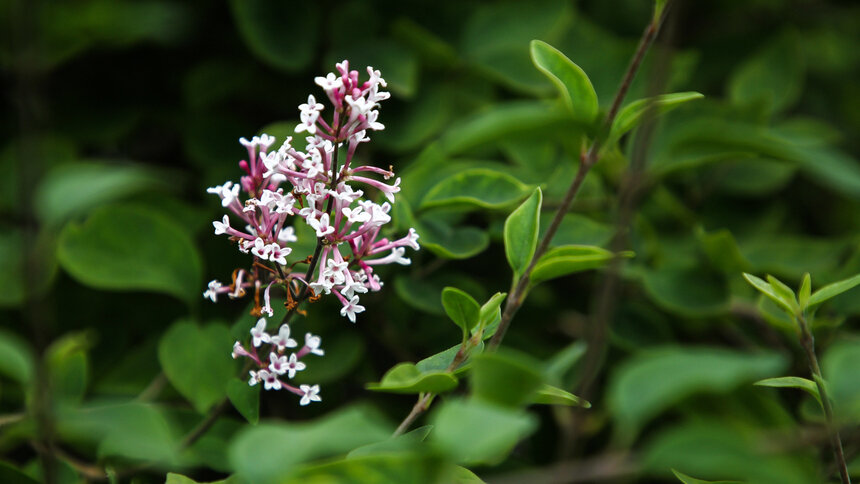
805,301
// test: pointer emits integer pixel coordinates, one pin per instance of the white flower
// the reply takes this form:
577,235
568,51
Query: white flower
222,226
313,344
372,123
278,254
259,334
321,226
294,365
311,394
322,286
311,105
329,82
228,192
277,364
361,105
351,308
260,249
412,241
266,141
287,235
212,292
282,340
254,378
355,215
270,380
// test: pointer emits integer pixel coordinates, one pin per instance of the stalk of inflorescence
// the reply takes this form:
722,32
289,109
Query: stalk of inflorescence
588,160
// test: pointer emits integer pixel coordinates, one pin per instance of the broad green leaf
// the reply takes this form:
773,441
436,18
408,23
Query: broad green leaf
722,250
562,362
68,367
784,292
478,187
124,248
12,475
260,25
461,308
805,291
632,114
289,444
452,242
491,316
60,195
576,229
180,479
245,399
550,395
505,378
406,442
17,362
442,360
766,289
383,468
689,291
570,80
691,480
771,79
839,365
808,386
719,451
501,121
496,37
109,425
349,347
832,290
570,259
653,381
521,233
472,432
407,378
194,360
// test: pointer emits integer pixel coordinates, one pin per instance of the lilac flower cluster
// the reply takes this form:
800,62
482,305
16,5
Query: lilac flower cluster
285,186
273,368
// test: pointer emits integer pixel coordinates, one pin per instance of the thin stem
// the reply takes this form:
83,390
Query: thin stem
589,160
808,343
420,406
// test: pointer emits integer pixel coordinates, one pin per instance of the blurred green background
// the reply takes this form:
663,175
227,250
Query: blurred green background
118,114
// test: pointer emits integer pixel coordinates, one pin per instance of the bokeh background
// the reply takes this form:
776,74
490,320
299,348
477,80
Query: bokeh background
117,115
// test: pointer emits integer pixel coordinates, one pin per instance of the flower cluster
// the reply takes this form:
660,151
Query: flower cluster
286,186
273,368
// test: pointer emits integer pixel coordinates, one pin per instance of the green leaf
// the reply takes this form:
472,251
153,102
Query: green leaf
17,362
245,398
24,261
472,432
289,444
808,386
502,121
570,80
442,360
632,114
194,360
576,229
550,395
722,250
68,367
839,365
784,292
409,441
461,308
260,25
11,475
505,378
691,480
570,259
349,347
491,316
180,479
407,378
687,291
452,242
653,381
521,233
832,290
478,187
769,291
109,425
412,467
60,197
558,367
772,78
805,291
125,248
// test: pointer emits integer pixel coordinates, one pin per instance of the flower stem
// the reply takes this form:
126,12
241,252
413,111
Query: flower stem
808,343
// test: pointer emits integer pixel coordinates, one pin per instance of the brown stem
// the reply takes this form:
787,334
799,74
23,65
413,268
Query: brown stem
519,289
808,343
